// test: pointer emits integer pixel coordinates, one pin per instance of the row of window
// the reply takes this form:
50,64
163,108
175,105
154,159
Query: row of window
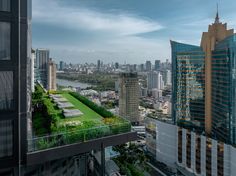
6,85
5,5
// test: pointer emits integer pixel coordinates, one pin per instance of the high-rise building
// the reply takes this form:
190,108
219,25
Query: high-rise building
157,65
62,65
204,82
98,65
155,80
116,65
52,77
167,77
129,97
15,83
152,80
141,67
42,58
148,66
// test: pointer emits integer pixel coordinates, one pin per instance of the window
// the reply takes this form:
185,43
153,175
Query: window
5,5
6,90
6,138
5,32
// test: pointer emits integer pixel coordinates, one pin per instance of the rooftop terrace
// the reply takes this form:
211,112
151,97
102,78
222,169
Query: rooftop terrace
53,129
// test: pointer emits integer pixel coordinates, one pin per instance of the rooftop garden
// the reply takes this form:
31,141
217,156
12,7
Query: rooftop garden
52,128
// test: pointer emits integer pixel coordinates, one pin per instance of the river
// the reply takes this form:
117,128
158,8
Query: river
66,83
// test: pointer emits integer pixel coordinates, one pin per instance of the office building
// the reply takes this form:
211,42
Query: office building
42,59
155,80
15,83
98,65
61,66
52,77
116,65
148,66
188,152
203,78
157,65
129,97
167,77
152,80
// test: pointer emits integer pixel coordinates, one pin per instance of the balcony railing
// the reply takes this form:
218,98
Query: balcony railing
78,136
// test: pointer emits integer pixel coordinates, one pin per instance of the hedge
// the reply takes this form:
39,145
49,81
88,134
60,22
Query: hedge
98,109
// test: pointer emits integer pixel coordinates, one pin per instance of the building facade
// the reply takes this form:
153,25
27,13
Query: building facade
148,66
188,152
42,59
15,89
204,81
155,80
129,97
51,74
157,65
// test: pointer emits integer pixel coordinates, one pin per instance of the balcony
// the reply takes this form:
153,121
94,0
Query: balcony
67,120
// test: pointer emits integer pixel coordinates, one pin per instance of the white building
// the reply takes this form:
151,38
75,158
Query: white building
190,152
167,77
154,80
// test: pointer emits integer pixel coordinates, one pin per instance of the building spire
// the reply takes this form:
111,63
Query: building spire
217,19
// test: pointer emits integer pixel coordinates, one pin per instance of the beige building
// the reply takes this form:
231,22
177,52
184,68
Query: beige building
52,77
216,33
129,97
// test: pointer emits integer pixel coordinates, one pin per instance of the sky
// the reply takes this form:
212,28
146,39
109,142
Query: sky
124,31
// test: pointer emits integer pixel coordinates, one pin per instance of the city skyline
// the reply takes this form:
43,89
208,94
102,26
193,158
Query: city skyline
84,31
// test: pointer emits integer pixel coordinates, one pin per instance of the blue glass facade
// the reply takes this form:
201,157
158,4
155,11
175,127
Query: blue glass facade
188,107
224,90
188,84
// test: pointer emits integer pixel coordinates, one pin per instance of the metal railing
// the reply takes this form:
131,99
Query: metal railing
77,136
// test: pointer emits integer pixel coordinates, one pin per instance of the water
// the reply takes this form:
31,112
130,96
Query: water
66,83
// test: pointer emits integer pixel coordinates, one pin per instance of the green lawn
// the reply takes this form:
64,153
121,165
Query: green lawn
88,114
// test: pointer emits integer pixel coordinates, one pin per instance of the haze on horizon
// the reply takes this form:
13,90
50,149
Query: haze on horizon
130,31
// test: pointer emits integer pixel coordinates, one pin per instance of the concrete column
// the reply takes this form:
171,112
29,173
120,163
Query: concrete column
193,151
203,155
214,157
184,147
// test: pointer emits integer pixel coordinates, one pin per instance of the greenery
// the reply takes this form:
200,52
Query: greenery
98,109
49,120
99,80
130,160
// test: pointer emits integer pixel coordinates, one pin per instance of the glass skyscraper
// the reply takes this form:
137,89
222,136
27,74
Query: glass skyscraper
15,49
204,93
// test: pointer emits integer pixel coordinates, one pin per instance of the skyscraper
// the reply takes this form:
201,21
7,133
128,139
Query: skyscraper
167,77
129,97
52,77
157,65
98,65
204,82
42,58
154,80
62,65
15,82
148,66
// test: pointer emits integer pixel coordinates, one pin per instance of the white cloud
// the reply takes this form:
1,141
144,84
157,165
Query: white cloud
120,41
49,11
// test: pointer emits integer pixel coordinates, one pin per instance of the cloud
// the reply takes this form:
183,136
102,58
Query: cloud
82,18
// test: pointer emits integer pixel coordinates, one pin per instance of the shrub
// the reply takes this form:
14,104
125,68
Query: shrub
98,109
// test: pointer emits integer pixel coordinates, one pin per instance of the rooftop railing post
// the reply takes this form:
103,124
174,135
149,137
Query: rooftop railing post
102,160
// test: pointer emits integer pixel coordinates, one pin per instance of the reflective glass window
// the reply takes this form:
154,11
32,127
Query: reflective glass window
5,5
6,138
6,90
5,32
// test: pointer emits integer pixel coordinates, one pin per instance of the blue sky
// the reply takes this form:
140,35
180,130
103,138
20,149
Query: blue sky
130,31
